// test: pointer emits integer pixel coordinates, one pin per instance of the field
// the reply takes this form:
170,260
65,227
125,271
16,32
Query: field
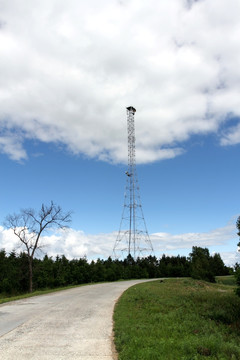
178,319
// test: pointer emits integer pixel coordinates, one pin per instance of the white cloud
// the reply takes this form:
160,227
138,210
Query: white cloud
232,137
214,239
75,243
71,243
68,69
230,258
168,242
12,146
8,241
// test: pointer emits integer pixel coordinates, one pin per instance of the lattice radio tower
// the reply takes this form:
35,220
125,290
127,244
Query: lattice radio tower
133,238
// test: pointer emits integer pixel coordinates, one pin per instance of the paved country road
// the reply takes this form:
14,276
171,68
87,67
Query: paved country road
70,324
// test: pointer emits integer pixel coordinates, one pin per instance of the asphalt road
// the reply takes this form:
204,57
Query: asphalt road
71,324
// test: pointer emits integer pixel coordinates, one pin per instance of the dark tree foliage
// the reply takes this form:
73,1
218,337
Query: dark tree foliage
53,273
217,265
204,266
201,264
175,266
237,276
238,228
13,273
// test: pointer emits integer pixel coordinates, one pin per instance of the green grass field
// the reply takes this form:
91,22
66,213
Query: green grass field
178,319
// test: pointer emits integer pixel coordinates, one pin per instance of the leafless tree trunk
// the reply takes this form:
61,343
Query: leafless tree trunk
29,225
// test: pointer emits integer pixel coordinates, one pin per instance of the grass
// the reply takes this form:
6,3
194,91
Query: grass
4,299
226,280
178,319
7,298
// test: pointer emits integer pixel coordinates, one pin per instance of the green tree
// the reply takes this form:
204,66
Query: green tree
238,228
201,264
218,266
43,275
5,272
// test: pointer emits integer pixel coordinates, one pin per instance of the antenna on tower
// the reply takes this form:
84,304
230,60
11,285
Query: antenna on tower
133,238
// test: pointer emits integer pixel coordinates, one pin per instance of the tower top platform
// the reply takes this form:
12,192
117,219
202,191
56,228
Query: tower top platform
131,108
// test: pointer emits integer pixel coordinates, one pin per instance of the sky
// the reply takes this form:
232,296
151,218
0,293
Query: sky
68,72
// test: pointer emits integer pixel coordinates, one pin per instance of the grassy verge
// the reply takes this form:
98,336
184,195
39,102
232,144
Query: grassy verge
4,299
7,298
178,319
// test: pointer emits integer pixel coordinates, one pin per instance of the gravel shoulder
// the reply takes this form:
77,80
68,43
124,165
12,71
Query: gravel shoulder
71,324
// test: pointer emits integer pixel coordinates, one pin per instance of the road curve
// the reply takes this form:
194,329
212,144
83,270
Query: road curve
70,324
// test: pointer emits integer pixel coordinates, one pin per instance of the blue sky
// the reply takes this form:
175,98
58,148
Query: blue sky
69,71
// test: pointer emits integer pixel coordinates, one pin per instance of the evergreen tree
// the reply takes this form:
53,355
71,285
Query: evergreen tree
201,264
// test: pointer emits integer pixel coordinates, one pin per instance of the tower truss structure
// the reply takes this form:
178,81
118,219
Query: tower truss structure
133,238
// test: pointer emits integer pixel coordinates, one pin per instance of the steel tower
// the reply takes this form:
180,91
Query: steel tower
133,238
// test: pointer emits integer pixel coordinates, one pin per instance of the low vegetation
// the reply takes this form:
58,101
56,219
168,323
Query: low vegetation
4,298
178,319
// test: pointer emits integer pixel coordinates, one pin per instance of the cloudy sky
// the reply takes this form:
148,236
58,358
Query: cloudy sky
68,71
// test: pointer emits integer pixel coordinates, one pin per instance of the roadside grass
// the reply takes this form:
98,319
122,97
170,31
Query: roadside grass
226,280
178,319
6,298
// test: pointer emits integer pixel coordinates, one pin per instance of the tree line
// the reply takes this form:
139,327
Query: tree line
53,273
23,272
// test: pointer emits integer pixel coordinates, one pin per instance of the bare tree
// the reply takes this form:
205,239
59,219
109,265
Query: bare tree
29,225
